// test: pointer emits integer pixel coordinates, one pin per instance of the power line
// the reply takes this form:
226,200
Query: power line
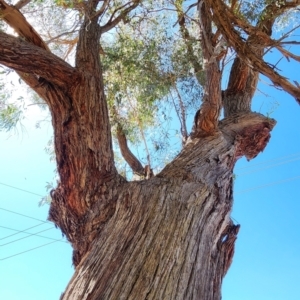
25,237
29,233
19,231
7,257
16,213
268,167
266,185
271,160
16,188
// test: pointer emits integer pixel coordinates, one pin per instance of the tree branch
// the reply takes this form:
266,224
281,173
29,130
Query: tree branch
33,59
240,71
100,12
181,114
262,30
35,83
245,50
206,119
243,79
20,4
14,18
272,11
288,54
121,17
198,68
130,158
27,58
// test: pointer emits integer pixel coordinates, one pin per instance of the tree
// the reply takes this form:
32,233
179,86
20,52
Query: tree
170,235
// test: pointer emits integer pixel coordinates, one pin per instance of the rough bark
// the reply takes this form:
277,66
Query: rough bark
77,103
171,237
14,18
242,84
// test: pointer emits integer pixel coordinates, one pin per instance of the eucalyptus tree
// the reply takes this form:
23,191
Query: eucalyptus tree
169,235
147,74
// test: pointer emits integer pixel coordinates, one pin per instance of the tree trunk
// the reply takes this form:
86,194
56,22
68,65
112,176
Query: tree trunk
171,237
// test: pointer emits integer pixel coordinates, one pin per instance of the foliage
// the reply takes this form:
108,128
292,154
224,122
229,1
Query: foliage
145,74
11,112
9,116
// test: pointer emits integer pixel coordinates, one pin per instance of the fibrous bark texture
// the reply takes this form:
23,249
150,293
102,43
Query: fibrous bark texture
171,237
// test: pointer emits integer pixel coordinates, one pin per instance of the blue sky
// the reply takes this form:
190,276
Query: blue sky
44,272
266,264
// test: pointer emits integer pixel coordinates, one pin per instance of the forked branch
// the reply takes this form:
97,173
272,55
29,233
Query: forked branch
225,22
119,14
